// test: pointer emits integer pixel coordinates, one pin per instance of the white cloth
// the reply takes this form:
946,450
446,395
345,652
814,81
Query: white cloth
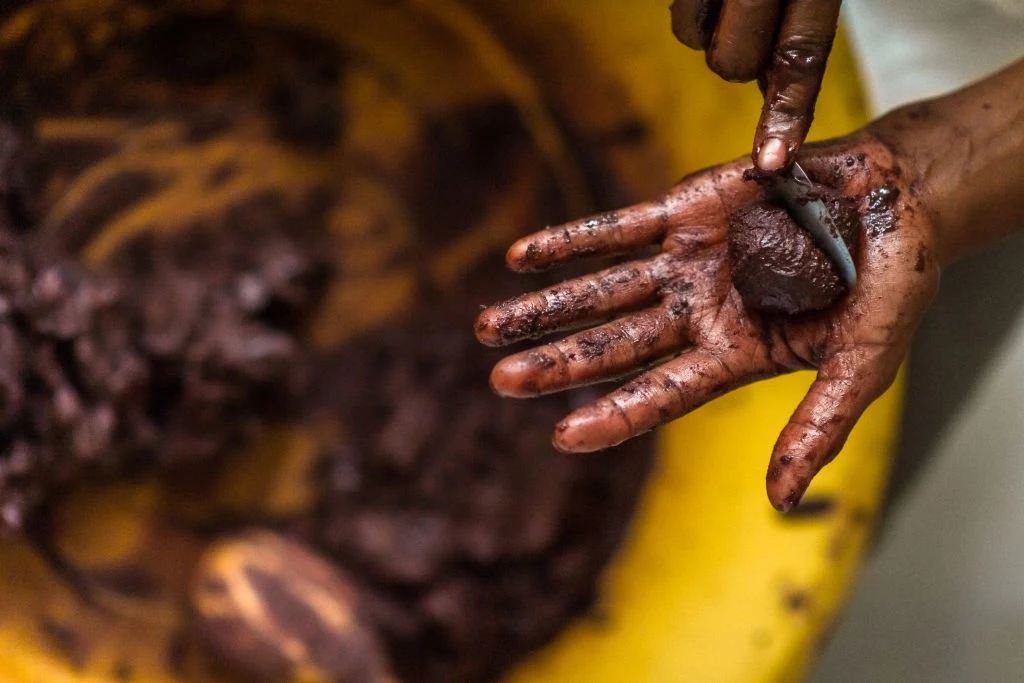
912,49
1014,8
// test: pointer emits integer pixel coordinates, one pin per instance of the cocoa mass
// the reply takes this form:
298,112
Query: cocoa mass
469,539
776,265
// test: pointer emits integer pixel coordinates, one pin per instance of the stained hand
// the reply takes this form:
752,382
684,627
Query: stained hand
677,320
787,42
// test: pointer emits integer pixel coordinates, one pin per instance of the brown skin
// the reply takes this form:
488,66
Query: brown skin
932,181
784,44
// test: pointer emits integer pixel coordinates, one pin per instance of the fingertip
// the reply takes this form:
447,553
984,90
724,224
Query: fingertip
785,494
684,25
486,328
772,156
729,68
786,505
512,378
563,440
789,475
521,257
568,437
729,72
591,428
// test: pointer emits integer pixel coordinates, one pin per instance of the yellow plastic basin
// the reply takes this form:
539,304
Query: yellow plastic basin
712,585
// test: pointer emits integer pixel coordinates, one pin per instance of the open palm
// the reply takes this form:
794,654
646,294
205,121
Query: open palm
675,317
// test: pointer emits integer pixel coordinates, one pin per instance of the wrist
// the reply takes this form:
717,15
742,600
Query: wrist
927,153
960,156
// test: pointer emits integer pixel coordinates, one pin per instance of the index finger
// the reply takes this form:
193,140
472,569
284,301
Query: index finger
794,81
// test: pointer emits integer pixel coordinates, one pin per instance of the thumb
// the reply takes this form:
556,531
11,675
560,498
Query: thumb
820,425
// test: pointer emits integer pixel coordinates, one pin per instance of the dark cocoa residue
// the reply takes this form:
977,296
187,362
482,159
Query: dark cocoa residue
757,175
594,344
879,218
882,198
472,539
157,358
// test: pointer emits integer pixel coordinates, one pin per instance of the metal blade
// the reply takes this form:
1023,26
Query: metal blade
811,213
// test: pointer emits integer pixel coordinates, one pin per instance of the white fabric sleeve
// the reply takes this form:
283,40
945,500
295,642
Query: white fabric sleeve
913,49
1014,8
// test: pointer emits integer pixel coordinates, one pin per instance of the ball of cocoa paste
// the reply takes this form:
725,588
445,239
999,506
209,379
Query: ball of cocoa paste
776,265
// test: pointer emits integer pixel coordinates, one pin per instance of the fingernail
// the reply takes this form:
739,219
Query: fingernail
518,255
486,329
585,431
565,439
512,377
772,155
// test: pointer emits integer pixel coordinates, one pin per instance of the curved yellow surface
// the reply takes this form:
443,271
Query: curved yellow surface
711,585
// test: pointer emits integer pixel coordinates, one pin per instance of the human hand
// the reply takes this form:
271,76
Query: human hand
786,44
680,305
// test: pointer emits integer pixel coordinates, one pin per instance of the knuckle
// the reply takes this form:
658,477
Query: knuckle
802,57
834,388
